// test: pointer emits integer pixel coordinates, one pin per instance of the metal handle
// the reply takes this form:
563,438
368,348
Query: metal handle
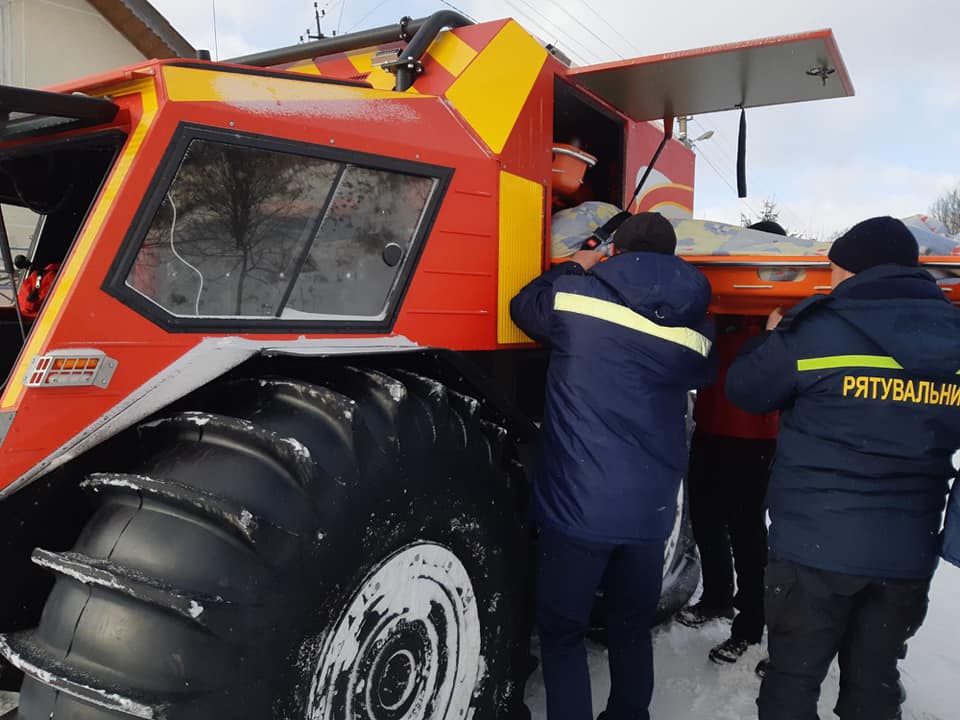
581,156
753,287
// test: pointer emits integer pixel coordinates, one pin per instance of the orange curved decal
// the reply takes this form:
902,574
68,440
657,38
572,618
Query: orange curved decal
663,196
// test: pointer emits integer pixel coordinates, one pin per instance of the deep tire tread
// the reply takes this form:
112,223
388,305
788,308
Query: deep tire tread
290,429
208,427
112,577
228,515
34,661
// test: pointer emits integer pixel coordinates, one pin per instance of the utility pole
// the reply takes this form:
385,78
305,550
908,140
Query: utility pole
317,13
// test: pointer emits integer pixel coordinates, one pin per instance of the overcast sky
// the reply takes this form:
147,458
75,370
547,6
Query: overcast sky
891,149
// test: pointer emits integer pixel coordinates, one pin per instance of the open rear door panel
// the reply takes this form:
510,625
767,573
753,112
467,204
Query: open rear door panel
771,71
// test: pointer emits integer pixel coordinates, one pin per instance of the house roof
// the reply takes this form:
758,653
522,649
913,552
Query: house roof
146,29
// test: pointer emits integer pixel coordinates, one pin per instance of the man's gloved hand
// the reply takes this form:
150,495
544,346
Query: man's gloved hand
587,258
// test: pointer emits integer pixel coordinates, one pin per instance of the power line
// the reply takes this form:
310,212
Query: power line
375,8
720,145
454,7
343,5
538,29
611,26
583,55
728,159
585,27
720,175
541,22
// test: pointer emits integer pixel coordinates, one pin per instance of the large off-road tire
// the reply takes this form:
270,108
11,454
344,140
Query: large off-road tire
681,565
297,551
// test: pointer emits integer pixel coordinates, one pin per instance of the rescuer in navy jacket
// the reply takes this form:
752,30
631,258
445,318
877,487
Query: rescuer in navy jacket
866,380
628,339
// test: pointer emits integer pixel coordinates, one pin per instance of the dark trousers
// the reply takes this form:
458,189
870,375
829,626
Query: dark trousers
814,615
728,488
569,571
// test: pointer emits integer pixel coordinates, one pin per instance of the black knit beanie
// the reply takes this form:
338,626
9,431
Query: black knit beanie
877,241
646,232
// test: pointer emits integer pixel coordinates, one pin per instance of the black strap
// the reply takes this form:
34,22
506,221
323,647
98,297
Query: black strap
603,234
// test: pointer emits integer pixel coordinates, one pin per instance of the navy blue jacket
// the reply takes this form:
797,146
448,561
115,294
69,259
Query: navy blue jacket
628,340
866,380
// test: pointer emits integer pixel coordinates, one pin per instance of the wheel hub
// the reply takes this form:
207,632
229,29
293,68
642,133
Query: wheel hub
398,681
405,647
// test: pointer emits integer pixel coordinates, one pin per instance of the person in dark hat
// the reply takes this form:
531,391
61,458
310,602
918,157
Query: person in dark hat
628,338
866,381
646,232
730,455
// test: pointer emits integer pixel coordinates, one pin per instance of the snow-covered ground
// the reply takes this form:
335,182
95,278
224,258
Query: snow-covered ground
689,687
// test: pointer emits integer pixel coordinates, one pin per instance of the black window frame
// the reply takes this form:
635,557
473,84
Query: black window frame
115,282
116,137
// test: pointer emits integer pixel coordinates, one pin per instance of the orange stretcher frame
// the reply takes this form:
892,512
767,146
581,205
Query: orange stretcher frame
746,284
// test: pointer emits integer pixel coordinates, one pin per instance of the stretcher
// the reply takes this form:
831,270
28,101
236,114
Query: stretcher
753,272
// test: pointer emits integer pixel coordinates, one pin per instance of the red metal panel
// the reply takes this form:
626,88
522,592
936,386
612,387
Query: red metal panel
770,71
479,36
451,301
669,188
528,152
435,80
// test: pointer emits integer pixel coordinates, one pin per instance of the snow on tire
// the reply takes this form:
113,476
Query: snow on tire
342,547
407,644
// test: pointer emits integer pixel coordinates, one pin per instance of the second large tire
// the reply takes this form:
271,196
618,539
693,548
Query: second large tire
341,549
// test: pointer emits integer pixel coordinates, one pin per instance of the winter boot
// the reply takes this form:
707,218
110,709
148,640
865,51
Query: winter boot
729,651
696,615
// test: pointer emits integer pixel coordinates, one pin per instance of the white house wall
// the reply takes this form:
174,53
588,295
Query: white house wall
45,42
57,40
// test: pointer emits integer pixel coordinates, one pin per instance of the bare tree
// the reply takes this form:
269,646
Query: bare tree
241,193
768,211
946,209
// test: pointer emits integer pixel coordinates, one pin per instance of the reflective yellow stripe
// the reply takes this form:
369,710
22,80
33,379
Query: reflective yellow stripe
620,315
831,362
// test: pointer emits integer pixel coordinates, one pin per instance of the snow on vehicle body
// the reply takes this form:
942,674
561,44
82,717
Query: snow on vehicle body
278,357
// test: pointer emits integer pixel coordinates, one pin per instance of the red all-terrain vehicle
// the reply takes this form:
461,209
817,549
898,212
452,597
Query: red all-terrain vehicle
262,448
